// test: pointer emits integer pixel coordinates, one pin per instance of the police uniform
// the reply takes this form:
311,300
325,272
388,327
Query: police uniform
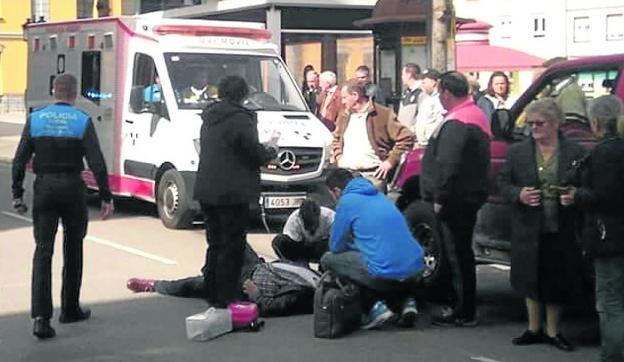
409,107
59,136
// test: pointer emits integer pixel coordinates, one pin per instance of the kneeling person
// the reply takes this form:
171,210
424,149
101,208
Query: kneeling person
371,245
305,236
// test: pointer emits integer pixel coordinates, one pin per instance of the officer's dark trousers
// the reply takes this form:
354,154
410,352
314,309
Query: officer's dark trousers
226,236
459,224
58,196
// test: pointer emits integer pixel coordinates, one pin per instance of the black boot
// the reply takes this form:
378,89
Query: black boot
76,315
42,329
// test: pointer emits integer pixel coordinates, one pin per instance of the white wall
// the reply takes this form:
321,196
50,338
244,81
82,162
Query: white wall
558,39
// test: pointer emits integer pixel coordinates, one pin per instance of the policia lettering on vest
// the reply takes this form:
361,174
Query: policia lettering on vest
58,137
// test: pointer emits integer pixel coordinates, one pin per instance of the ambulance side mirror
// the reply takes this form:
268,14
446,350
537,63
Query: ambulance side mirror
136,99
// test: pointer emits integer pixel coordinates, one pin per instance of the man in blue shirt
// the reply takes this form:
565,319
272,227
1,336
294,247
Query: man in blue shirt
371,245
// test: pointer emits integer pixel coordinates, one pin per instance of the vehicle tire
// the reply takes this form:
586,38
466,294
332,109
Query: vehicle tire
421,221
172,201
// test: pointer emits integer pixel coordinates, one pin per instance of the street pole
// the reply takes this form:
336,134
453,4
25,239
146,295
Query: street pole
442,35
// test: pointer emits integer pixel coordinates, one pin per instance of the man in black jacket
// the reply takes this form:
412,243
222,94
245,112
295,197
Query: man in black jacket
59,136
454,178
601,198
228,179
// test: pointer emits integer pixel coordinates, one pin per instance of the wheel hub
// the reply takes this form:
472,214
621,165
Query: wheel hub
171,199
424,234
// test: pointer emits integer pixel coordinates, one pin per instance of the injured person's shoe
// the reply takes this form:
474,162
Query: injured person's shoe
141,285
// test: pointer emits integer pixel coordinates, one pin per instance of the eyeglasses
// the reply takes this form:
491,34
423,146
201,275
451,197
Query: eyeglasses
535,123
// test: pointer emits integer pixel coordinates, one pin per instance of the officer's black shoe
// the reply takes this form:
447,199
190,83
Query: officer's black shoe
42,329
76,315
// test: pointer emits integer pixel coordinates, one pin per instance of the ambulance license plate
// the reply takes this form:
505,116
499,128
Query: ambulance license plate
283,201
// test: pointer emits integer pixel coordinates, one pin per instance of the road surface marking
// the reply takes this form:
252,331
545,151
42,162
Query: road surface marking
108,243
483,359
17,216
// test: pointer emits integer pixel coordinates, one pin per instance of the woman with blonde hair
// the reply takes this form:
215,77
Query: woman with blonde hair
545,257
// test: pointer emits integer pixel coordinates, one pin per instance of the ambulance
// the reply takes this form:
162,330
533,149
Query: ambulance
145,81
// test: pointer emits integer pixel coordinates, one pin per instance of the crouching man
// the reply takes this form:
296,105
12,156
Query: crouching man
372,246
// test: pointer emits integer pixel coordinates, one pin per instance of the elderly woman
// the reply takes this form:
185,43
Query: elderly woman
603,175
544,254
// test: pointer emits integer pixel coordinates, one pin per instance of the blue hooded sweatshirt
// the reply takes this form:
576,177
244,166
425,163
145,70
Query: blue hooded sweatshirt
380,233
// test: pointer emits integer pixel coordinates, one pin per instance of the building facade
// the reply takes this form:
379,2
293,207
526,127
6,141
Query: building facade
553,28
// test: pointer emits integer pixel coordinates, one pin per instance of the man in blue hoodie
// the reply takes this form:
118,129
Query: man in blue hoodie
371,245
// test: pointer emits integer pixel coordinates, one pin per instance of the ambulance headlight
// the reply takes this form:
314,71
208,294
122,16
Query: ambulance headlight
197,145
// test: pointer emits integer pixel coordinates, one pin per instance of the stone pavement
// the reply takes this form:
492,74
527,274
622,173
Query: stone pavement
9,140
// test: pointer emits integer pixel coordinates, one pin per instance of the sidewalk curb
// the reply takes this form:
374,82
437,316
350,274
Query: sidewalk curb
5,160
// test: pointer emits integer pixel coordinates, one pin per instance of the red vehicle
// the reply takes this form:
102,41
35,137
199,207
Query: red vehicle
596,75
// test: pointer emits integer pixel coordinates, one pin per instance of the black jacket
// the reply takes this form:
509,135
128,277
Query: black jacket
230,156
59,136
600,196
455,165
520,170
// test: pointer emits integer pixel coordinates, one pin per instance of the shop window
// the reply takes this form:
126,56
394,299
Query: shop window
90,76
351,53
298,55
582,29
615,27
504,29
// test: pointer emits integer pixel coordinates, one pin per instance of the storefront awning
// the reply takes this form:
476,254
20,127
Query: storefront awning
484,57
395,11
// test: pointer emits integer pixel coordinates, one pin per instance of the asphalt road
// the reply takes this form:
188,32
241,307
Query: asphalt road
141,327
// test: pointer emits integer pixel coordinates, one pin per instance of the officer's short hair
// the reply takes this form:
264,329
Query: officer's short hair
413,69
363,68
65,86
355,85
338,177
233,88
454,82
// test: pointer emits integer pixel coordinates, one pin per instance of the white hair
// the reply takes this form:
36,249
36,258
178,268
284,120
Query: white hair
328,76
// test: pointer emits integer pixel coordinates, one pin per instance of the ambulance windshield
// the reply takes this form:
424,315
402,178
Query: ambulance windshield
195,78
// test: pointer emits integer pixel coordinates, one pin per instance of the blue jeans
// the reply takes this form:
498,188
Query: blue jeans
610,306
350,265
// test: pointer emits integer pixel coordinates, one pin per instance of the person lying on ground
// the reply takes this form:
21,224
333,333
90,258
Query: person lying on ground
278,288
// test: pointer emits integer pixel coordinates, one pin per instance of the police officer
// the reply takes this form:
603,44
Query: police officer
59,136
408,109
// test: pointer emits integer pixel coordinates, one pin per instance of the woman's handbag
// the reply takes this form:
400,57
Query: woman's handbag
337,307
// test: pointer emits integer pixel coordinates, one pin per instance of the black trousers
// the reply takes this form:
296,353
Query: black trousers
226,237
58,196
457,226
288,249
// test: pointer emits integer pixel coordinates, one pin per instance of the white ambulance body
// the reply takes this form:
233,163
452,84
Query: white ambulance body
138,80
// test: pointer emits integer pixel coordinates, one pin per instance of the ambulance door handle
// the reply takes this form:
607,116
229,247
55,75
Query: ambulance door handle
129,121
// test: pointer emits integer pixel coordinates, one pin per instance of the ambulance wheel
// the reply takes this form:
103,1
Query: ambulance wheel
421,221
173,202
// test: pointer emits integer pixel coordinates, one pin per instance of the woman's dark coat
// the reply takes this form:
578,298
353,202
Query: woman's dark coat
230,156
520,170
600,198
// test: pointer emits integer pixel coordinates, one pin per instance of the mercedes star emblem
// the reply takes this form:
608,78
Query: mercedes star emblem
286,160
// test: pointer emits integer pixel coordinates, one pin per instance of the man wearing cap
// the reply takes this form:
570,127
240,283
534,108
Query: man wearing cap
430,110
408,109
